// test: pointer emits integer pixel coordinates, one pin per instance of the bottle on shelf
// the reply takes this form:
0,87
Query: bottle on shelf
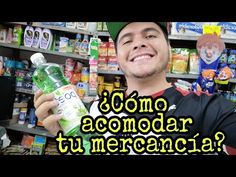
77,44
84,46
50,79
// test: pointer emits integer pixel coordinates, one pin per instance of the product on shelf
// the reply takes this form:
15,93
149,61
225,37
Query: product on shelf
78,41
103,48
27,141
180,58
22,116
193,62
82,89
227,29
188,28
82,25
38,145
85,75
117,82
71,25
3,34
109,87
46,40
111,52
28,36
63,44
99,26
17,35
32,118
104,26
37,37
9,35
84,46
70,46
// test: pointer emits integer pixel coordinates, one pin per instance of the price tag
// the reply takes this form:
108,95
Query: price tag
211,29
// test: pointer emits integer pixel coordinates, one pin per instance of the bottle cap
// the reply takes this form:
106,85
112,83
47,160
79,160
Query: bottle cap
37,59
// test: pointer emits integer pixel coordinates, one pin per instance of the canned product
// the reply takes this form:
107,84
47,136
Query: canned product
100,89
70,64
109,87
117,82
85,75
82,89
100,79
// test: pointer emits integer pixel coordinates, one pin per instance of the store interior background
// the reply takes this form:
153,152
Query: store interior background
64,48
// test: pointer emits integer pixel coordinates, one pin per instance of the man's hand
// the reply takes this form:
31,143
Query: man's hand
43,104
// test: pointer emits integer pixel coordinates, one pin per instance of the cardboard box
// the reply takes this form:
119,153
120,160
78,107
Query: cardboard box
228,29
188,28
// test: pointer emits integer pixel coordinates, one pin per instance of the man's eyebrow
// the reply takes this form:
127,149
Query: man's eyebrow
124,36
151,29
143,31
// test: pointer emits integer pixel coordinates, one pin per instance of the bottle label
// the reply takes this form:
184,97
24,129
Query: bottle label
71,106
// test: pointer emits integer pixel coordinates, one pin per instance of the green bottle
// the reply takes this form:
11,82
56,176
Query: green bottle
49,78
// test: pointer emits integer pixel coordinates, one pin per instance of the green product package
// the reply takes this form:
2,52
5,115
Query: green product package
17,35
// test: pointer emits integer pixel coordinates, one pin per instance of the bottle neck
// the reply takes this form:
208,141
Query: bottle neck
39,62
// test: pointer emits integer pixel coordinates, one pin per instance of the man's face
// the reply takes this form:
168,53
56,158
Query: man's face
142,50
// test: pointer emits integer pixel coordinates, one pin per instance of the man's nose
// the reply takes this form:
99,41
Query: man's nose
139,44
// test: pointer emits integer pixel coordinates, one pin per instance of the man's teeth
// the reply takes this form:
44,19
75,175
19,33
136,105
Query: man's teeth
141,57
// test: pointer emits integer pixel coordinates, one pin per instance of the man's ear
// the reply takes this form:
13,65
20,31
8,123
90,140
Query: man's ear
170,51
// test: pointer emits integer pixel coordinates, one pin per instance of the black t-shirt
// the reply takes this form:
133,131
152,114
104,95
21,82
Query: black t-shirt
210,113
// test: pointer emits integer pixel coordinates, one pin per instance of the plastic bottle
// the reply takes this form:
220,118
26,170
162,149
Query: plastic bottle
77,43
50,79
84,46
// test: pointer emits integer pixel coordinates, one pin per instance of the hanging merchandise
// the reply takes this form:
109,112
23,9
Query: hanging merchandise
93,62
210,48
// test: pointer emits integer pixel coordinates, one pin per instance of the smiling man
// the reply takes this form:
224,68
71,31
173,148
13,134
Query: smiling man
143,53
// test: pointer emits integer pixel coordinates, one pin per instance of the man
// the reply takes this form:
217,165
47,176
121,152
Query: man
143,52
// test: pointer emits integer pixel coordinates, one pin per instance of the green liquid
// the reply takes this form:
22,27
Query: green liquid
49,77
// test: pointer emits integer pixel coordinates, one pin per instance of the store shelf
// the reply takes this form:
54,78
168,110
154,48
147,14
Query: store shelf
102,33
110,72
195,38
179,37
168,75
18,23
27,91
23,128
69,55
183,76
61,28
233,81
57,28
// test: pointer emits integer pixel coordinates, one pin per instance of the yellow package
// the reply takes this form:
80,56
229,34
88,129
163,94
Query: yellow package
180,57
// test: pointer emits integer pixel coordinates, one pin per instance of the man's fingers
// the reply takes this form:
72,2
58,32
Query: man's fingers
51,123
37,94
43,98
43,110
